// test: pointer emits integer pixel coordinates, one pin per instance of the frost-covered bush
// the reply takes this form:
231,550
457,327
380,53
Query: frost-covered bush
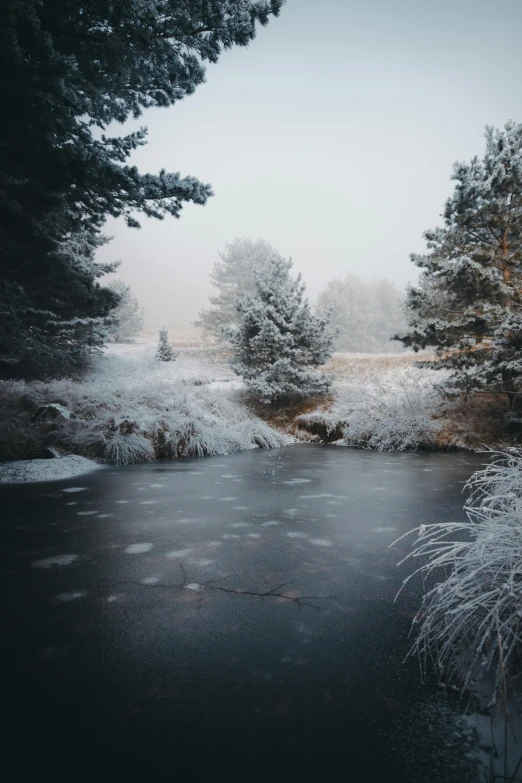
165,352
470,620
393,411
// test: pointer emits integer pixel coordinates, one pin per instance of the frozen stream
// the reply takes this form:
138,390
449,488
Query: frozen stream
131,649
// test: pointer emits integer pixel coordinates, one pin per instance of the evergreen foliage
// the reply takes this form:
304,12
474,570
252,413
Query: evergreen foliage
233,277
57,312
71,68
165,352
278,339
468,303
366,315
127,315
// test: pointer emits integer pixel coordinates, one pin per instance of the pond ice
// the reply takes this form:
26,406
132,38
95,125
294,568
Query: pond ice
57,560
296,534
384,529
138,549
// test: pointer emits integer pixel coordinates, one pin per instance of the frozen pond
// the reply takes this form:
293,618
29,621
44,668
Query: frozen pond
229,618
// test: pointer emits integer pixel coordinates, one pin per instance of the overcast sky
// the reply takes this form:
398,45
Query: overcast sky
332,136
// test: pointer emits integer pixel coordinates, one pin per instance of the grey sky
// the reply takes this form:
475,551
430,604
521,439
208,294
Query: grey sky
332,136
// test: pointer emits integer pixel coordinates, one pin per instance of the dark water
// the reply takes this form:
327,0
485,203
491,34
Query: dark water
255,638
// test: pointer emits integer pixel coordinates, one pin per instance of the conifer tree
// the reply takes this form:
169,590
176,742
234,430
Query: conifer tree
233,277
278,340
468,303
165,352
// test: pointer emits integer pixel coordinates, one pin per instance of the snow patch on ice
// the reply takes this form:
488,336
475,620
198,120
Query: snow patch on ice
65,597
46,469
320,542
150,580
178,553
57,560
138,549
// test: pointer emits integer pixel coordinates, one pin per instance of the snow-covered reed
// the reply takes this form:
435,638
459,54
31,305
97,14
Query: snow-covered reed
470,620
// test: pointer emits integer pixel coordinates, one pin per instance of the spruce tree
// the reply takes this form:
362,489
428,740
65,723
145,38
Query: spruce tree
233,277
278,340
468,303
165,351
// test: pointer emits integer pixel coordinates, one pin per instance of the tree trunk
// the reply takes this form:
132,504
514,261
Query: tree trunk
510,390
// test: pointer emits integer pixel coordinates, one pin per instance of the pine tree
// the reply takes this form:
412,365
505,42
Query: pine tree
468,303
278,339
165,352
127,315
233,277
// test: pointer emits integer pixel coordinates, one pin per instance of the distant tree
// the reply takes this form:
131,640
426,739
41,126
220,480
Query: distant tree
165,352
366,314
278,339
468,303
127,315
233,277
73,69
57,312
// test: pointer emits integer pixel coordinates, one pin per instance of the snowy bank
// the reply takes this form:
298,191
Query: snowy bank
46,469
131,408
384,402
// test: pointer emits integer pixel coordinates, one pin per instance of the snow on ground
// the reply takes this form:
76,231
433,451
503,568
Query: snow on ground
46,469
